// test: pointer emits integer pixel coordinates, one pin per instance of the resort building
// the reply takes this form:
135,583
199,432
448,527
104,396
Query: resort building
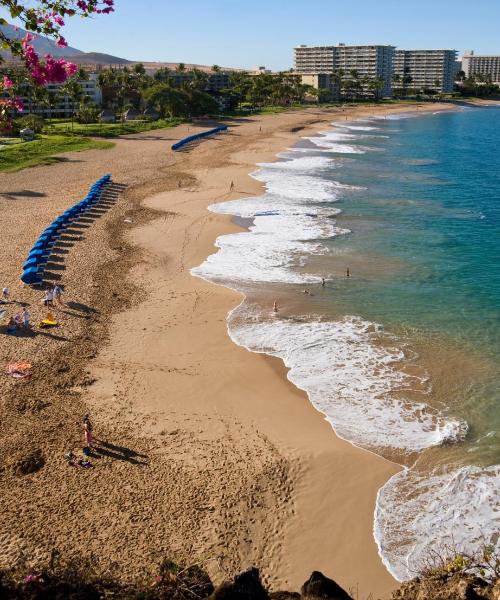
428,69
323,81
60,105
487,66
368,62
215,81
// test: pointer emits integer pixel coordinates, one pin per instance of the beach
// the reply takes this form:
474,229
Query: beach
211,454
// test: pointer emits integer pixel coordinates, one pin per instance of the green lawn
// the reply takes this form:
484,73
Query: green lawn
108,130
43,149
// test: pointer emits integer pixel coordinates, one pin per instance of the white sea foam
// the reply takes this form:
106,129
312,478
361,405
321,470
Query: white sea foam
418,513
351,379
247,257
277,241
306,164
333,146
285,228
340,136
356,127
304,188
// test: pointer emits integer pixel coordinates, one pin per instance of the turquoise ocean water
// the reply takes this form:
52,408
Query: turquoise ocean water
403,356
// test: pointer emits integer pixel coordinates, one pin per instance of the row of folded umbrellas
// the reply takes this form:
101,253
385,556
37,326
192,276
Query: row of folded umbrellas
198,136
32,268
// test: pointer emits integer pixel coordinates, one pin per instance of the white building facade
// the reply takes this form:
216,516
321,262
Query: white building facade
428,69
368,61
487,66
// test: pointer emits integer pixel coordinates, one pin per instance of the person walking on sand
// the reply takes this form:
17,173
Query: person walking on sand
25,314
231,187
5,294
56,294
48,298
347,273
87,431
275,307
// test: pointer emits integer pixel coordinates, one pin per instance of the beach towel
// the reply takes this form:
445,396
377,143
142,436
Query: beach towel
48,323
3,312
19,370
80,462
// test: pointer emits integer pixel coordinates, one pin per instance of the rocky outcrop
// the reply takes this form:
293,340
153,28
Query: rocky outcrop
193,583
319,587
245,586
455,587
248,586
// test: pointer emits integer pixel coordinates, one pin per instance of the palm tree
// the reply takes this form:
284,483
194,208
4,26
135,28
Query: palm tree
407,79
72,89
396,79
376,86
199,79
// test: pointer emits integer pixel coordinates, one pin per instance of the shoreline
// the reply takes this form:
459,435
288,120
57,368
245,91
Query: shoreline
237,465
315,456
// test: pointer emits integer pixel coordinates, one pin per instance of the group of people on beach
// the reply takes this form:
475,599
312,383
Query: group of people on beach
22,319
53,295
307,292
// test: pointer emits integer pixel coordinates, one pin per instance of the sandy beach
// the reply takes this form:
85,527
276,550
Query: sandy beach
207,452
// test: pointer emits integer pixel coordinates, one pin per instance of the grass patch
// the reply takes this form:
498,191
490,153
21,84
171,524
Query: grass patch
109,130
43,149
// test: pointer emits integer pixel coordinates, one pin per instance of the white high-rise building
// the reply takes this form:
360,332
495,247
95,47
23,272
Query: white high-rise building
428,69
368,61
487,66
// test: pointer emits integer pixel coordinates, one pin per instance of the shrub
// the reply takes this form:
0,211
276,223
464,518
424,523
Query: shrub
87,114
34,122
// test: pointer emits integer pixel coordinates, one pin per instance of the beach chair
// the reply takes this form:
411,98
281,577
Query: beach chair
32,275
30,263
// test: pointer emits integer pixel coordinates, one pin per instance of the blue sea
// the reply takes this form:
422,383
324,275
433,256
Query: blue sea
401,356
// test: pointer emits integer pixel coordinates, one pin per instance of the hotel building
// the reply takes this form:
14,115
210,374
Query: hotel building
481,65
369,61
62,105
428,69
322,81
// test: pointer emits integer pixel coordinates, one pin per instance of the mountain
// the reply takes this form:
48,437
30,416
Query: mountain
41,44
44,45
96,58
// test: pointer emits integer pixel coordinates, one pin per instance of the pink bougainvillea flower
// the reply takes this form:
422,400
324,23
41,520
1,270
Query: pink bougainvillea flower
7,83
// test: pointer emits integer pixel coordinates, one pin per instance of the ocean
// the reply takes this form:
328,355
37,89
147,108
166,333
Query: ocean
401,356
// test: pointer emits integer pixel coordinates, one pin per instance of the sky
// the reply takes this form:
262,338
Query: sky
250,33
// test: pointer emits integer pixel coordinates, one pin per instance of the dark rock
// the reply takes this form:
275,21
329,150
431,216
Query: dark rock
455,587
245,586
177,583
30,463
318,586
